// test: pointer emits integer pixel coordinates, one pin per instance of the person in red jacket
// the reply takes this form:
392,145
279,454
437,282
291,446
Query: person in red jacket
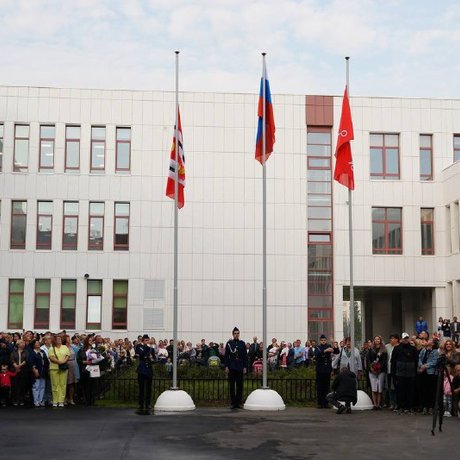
5,385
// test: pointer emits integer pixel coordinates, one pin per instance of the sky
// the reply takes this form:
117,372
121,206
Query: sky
407,48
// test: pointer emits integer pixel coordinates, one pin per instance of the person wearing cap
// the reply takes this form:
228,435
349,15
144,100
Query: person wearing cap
145,356
404,360
236,365
323,362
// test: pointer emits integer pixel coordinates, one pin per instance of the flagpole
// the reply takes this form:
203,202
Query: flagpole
264,226
176,226
350,241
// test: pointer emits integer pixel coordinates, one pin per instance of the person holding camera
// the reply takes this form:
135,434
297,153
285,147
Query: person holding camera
145,355
236,365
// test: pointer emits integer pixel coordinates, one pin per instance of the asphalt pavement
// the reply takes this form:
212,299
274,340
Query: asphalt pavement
294,434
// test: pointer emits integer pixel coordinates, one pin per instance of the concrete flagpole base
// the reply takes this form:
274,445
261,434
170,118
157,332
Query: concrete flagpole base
174,401
264,399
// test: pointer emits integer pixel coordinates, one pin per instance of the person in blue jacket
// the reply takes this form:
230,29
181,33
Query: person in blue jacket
427,370
236,366
421,325
145,355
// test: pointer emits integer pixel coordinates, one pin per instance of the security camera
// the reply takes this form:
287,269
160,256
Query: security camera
86,275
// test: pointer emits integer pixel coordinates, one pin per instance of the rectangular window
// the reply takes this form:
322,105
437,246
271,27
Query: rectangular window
42,304
18,224
94,304
426,157
1,146
456,147
70,226
120,304
47,136
16,304
96,227
97,148
21,148
123,149
44,224
387,230
68,303
72,148
384,156
427,231
121,237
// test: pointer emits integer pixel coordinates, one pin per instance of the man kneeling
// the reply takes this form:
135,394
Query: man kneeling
345,390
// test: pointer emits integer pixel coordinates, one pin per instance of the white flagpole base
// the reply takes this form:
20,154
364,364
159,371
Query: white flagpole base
264,399
174,401
363,403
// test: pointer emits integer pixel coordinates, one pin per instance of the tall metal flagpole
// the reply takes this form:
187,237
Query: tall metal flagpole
264,226
350,240
176,226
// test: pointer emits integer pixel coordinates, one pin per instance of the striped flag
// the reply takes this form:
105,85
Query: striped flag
269,120
170,189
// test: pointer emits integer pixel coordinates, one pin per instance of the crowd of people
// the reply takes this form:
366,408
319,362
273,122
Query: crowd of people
58,369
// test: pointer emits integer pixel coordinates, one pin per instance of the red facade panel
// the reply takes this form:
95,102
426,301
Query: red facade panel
319,110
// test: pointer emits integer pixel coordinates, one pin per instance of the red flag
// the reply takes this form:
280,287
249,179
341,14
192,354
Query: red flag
343,172
172,168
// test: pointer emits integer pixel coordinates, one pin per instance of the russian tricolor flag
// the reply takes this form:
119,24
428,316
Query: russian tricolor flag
269,120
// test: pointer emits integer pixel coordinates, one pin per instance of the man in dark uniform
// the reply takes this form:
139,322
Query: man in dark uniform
236,365
145,356
323,360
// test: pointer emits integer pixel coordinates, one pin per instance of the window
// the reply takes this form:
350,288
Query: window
16,304
387,230
72,148
427,230
18,224
384,152
42,304
123,153
320,249
96,227
456,147
94,304
47,135
121,240
70,225
120,304
21,148
426,157
97,148
1,146
68,303
44,224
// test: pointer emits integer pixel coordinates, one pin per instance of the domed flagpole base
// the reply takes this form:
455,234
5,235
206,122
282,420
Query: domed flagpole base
174,400
363,403
264,399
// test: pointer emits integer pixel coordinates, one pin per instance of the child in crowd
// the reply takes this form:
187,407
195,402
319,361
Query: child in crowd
447,397
5,385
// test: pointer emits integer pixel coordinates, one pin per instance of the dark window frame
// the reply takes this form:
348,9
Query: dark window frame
117,143
120,247
42,324
384,175
68,246
386,249
98,141
10,293
120,325
70,139
37,244
13,214
68,324
426,250
93,326
426,177
46,139
16,138
95,247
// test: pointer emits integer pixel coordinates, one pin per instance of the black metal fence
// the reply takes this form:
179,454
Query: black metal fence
210,390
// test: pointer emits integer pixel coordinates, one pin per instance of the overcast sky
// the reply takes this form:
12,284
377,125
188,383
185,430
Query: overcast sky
397,47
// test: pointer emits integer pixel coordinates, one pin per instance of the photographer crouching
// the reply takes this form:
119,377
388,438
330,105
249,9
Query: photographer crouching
145,355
